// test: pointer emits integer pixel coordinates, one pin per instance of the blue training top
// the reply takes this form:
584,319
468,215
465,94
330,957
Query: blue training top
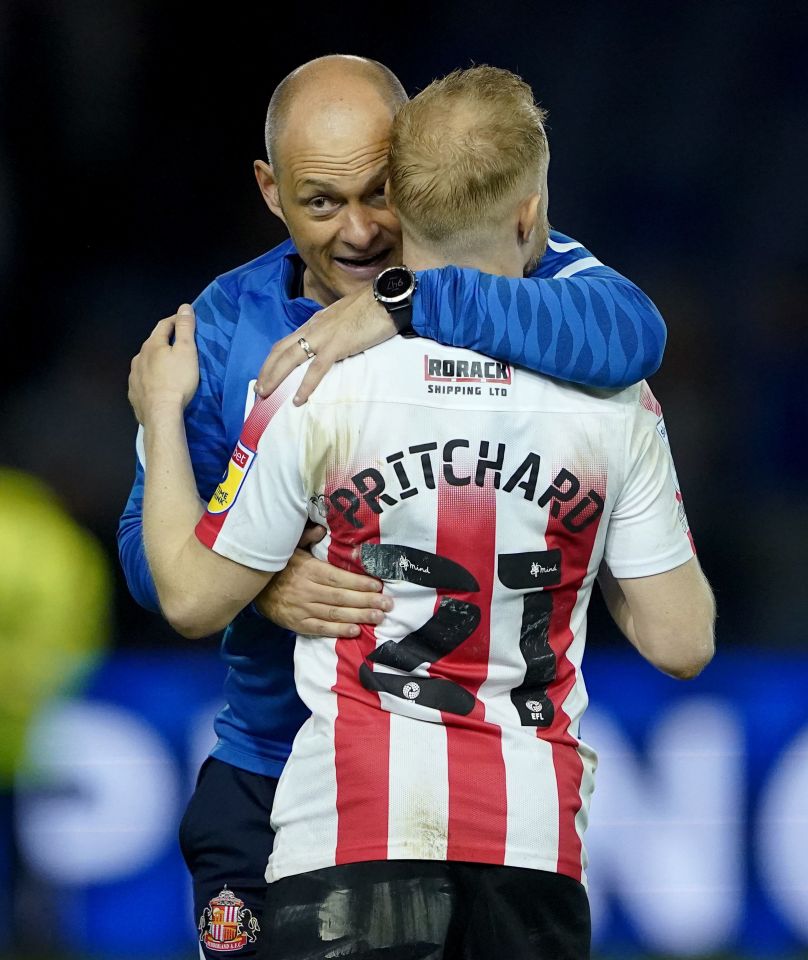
574,319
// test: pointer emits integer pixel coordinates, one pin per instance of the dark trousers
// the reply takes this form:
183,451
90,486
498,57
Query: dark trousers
226,841
408,909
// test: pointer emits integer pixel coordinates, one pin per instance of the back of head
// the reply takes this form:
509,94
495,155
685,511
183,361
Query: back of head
327,79
462,151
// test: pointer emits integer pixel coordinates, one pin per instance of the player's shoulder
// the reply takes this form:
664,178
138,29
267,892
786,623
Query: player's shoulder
258,274
384,372
415,370
548,393
264,410
648,409
253,287
640,408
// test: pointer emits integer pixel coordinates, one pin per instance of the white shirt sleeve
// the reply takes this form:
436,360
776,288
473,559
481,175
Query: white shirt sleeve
648,531
259,509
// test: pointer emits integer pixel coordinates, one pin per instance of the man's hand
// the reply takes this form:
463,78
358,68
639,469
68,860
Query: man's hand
347,327
165,372
312,597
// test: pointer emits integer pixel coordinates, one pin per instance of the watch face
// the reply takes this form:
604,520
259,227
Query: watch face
395,283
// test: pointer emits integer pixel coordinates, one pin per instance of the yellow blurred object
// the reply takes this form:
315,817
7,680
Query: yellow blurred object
55,588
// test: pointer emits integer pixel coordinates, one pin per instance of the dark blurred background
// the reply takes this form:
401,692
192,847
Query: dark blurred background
679,139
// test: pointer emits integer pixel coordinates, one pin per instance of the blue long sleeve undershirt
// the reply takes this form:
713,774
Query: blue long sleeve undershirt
597,329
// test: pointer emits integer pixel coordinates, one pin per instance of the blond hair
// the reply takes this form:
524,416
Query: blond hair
460,152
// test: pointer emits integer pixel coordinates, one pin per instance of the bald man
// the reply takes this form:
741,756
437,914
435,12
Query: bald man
328,128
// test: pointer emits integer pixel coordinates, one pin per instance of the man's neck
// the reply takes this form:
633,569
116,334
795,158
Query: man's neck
497,261
313,290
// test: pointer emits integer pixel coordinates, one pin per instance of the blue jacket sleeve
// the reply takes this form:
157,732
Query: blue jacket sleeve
573,318
130,546
216,317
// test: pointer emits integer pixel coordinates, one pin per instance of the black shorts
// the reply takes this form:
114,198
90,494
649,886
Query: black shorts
407,909
226,840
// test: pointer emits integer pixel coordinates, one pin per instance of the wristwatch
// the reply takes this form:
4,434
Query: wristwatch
393,288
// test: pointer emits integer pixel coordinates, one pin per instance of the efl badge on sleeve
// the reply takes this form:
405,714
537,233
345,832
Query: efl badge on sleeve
237,469
226,925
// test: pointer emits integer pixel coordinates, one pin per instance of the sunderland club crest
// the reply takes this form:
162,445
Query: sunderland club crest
226,924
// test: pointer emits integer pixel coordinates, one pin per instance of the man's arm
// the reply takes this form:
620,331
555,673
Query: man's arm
200,592
574,319
668,617
309,596
215,319
171,504
252,523
131,551
650,576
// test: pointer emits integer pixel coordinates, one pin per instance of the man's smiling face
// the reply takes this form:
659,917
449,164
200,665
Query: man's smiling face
329,176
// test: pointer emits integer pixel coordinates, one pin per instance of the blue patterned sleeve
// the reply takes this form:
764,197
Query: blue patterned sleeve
130,545
574,318
216,317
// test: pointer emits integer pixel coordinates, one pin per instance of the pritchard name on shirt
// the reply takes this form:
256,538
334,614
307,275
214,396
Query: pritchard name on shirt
421,466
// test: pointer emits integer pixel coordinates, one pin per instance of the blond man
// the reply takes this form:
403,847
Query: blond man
434,804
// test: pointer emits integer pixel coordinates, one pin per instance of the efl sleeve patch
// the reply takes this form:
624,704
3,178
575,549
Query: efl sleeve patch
225,495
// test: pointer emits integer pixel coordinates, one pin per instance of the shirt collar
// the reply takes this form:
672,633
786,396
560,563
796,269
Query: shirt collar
298,308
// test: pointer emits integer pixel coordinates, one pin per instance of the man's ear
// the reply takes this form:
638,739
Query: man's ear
268,185
528,218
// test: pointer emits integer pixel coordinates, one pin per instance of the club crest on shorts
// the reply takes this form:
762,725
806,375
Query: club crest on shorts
226,924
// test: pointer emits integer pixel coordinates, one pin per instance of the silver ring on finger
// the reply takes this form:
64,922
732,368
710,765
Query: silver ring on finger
304,346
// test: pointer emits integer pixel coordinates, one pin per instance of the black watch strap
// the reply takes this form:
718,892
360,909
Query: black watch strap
402,315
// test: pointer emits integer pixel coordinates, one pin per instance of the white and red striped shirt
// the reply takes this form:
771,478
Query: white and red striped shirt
485,498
